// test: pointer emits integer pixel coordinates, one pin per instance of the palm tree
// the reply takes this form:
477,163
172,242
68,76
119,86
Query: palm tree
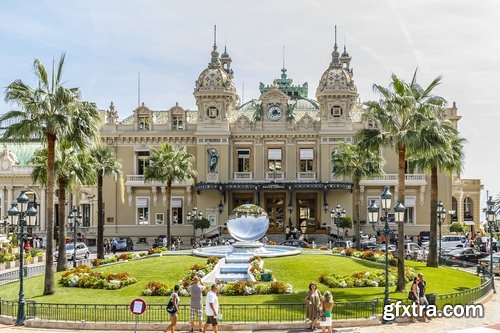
441,151
72,166
167,164
353,161
46,113
106,164
399,115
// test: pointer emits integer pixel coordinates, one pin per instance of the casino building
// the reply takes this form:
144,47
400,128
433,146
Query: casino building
274,150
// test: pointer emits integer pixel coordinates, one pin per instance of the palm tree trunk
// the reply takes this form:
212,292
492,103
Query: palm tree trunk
61,212
432,260
400,287
100,219
169,196
48,288
356,212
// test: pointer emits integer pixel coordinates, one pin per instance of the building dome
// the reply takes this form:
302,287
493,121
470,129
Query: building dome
215,79
336,78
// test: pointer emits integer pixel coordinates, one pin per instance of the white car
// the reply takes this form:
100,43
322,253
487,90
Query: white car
82,251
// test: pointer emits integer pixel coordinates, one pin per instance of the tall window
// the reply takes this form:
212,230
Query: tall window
142,161
176,208
143,123
142,207
274,159
306,159
409,209
159,218
467,207
86,215
177,122
243,160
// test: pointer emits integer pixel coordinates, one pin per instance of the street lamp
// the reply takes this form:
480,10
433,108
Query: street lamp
336,214
441,215
27,209
5,224
76,216
373,217
490,214
193,216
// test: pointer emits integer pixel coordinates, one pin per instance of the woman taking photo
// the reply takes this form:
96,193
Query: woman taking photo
327,306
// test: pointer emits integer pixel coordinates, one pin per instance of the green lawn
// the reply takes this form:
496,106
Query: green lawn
297,270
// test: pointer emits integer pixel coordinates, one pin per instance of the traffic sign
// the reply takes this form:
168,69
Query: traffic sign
138,306
463,240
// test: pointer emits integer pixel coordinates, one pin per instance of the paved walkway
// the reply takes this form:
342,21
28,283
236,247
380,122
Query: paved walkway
489,324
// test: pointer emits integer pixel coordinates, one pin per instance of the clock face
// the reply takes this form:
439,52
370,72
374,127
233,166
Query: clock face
274,112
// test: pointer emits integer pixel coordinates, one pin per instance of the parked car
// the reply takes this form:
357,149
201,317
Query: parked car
482,243
391,247
451,241
344,244
368,246
423,237
295,243
496,262
465,254
412,252
82,251
124,244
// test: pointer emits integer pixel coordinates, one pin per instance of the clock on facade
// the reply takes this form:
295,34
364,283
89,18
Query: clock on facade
274,112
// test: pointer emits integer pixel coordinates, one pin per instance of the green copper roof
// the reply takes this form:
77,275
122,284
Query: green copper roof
23,151
285,85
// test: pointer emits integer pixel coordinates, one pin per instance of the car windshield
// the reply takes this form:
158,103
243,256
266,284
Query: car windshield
122,241
69,246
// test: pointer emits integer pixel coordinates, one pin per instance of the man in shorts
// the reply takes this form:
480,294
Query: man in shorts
196,306
212,309
422,286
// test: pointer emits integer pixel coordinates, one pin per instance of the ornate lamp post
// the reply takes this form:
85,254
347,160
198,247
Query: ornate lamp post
373,217
441,215
27,209
5,224
193,216
336,214
491,215
76,216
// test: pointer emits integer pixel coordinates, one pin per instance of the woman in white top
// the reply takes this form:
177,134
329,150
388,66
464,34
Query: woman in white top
173,314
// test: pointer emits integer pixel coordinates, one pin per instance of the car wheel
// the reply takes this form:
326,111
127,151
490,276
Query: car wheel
86,255
408,257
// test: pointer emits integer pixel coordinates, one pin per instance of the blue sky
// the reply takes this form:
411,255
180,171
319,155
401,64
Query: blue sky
107,43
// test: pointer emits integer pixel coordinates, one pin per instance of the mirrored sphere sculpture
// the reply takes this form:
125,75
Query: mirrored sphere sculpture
248,223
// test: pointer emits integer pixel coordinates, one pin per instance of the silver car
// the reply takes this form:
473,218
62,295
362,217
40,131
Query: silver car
82,251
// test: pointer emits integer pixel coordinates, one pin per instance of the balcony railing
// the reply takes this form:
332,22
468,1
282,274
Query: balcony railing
275,176
308,175
392,179
243,176
138,180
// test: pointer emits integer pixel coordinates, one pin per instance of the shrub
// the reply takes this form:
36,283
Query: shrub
154,250
84,277
212,260
156,288
278,287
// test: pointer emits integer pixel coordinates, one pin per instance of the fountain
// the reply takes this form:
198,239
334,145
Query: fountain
248,224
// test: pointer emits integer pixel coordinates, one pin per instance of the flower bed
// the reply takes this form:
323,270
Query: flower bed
240,288
365,279
376,256
118,257
258,271
85,277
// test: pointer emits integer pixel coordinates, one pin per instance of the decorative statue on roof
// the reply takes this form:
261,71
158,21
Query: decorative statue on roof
111,115
213,160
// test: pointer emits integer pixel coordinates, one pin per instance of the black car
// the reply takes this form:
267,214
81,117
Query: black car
295,243
124,244
464,254
424,236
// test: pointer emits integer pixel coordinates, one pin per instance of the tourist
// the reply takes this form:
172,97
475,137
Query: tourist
416,292
422,286
265,240
327,306
212,309
173,309
196,305
114,244
295,231
106,246
287,233
313,299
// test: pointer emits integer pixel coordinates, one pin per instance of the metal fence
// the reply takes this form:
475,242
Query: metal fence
13,275
157,313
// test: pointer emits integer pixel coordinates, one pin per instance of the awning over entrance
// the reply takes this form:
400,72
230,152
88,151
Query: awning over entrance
274,186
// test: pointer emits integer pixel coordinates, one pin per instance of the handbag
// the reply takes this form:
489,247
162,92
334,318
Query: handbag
170,307
411,296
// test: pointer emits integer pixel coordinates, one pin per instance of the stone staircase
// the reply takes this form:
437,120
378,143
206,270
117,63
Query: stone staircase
234,268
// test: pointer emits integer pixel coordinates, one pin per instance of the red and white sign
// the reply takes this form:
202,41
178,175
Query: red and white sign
138,306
